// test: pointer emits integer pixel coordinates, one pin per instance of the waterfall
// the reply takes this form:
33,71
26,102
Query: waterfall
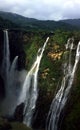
15,94
29,92
61,96
12,74
6,58
8,73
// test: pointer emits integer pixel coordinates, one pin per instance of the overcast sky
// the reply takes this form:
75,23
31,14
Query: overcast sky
43,9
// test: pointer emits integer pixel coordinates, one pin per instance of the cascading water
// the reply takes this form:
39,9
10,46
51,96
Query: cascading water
29,92
8,72
61,97
6,58
12,74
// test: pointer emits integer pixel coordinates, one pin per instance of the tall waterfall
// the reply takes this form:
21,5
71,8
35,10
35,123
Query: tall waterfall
6,58
8,72
61,96
16,92
29,91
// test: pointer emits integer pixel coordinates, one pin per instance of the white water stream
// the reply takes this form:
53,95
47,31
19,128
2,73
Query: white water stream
62,95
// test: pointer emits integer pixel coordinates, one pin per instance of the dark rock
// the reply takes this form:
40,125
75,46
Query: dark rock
18,115
4,124
16,47
2,89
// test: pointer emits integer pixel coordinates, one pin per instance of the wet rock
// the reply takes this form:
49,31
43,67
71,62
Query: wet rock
2,89
18,115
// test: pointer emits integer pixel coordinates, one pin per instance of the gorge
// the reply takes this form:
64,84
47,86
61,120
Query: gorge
58,64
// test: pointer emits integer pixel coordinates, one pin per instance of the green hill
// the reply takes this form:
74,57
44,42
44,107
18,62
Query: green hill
34,24
7,24
74,22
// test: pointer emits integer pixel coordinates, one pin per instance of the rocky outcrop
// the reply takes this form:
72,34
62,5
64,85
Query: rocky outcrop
18,115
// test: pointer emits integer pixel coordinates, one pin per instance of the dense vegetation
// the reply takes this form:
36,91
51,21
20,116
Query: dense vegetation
26,43
50,75
34,24
8,24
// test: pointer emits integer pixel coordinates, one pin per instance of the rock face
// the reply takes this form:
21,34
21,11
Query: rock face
16,49
16,46
2,89
1,45
18,115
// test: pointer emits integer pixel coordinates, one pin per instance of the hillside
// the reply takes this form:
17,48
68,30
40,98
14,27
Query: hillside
74,22
34,24
18,19
7,24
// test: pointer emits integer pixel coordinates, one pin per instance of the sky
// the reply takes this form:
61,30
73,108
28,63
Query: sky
43,9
